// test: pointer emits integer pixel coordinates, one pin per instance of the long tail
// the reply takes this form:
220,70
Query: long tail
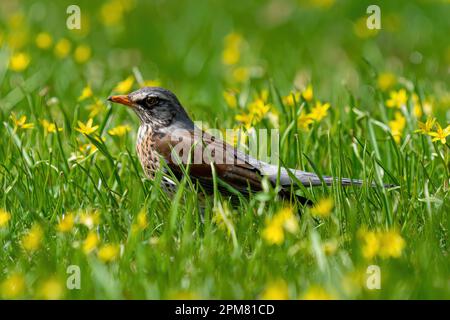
309,179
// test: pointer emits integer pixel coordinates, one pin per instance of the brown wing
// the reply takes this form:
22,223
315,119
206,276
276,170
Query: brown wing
185,147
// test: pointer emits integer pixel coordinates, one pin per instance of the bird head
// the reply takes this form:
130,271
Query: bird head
156,107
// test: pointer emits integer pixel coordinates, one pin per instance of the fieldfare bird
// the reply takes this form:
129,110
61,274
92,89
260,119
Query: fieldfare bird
167,133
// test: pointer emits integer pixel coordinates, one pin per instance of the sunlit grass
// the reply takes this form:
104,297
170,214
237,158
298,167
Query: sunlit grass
73,192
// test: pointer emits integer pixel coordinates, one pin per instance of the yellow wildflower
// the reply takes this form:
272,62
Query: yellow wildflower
308,93
111,12
323,208
231,53
108,252
31,241
44,40
417,109
62,48
291,99
386,80
91,242
82,53
230,98
397,126
371,244
90,219
141,220
425,128
304,121
440,134
320,111
5,216
388,244
51,289
49,127
21,123
329,247
317,293
19,61
151,83
86,128
66,223
391,244
95,108
13,286
276,290
241,74
273,232
86,93
397,99
286,218
119,131
125,85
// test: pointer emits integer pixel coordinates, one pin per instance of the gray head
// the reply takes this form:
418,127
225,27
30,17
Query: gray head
157,107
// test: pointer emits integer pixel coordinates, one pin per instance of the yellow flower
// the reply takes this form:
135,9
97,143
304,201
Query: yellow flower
119,131
291,99
95,108
111,12
82,53
13,286
86,128
231,53
319,111
397,126
276,290
141,220
397,99
151,83
86,93
125,85
371,244
391,244
273,232
108,252
62,48
5,216
19,61
90,219
304,121
51,289
317,293
240,74
308,93
44,40
49,127
329,247
66,223
323,208
91,242
388,244
386,80
425,128
416,105
32,240
21,123
440,134
230,98
286,218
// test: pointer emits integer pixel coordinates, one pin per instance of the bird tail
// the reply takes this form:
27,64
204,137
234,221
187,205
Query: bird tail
309,179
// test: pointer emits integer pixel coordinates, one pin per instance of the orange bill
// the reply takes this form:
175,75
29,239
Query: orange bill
122,99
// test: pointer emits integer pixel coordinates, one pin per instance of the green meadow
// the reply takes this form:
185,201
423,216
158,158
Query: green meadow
79,220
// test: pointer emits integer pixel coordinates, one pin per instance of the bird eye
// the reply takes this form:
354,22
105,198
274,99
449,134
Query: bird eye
151,101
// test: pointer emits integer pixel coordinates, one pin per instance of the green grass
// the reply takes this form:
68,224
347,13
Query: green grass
184,251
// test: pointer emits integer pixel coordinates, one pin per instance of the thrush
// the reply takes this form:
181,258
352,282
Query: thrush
168,134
